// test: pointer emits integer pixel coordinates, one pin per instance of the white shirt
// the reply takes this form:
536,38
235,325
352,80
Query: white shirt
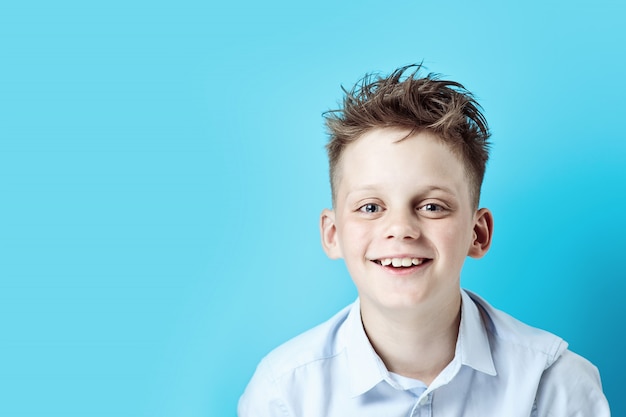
501,368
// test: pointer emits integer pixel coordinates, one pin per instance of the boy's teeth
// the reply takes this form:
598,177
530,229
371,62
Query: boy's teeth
400,262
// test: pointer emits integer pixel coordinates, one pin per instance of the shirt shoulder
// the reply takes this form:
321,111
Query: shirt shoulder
571,387
566,383
321,342
508,334
300,363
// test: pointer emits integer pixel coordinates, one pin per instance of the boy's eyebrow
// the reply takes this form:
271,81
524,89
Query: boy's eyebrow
375,187
365,187
440,188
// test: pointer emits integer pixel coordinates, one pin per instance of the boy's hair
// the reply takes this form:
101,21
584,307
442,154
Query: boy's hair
405,99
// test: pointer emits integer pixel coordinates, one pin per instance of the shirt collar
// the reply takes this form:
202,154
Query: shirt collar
472,347
366,369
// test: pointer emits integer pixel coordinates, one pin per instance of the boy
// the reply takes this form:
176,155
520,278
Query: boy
407,158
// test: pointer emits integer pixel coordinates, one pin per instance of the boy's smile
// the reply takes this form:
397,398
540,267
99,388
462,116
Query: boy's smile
403,219
403,263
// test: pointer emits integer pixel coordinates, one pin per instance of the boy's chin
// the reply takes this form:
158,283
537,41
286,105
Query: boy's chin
401,303
411,301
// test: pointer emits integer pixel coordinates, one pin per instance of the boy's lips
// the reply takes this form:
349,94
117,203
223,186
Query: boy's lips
401,261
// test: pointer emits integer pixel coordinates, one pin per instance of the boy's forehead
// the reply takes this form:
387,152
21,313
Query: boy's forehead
393,145
394,156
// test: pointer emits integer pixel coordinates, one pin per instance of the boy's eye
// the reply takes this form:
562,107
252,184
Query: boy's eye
431,207
370,208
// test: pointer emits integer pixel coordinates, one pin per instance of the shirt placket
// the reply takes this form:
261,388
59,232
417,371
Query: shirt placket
423,406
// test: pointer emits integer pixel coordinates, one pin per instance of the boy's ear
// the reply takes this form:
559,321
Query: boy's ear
328,231
483,232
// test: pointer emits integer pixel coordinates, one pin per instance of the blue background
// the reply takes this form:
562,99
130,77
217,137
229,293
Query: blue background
162,171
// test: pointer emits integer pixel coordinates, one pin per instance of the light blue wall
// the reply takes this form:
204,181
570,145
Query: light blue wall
162,170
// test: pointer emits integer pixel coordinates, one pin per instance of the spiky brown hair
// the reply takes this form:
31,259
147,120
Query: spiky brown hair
406,99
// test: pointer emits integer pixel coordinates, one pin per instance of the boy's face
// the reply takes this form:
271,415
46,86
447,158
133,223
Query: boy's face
403,220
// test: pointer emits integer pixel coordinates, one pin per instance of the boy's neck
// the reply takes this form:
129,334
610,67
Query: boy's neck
419,345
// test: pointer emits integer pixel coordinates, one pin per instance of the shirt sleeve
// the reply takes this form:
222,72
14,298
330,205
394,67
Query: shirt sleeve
262,396
571,387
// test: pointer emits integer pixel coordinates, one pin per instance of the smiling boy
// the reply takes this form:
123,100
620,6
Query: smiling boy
407,158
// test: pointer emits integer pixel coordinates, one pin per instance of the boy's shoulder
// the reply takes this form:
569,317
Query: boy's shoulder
322,342
507,332
567,381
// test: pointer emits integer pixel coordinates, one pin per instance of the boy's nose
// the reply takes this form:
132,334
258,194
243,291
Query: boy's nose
402,225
